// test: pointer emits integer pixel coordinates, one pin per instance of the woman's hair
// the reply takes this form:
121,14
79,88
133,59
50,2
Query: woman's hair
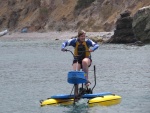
81,32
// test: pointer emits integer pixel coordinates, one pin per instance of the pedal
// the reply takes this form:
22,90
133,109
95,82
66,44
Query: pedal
89,91
85,91
82,91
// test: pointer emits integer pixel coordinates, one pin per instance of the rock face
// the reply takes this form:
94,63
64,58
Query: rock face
64,15
123,32
16,14
141,24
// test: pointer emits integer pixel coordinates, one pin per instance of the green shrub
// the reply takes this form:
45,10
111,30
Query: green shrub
44,10
81,4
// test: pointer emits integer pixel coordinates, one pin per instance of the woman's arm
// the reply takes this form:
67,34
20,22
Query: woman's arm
91,43
70,42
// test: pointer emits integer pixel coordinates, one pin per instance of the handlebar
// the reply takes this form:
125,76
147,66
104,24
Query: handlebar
75,56
69,51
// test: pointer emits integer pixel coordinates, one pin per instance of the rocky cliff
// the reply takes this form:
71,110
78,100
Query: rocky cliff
60,15
141,24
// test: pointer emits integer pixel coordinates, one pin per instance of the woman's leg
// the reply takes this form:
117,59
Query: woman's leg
85,66
76,66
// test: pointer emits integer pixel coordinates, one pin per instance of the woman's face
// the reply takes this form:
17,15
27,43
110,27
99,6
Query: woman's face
82,37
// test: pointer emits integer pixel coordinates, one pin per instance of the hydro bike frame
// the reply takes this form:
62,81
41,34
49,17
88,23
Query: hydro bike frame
77,94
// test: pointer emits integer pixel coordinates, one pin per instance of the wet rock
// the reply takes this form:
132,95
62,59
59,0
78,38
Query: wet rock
56,39
125,14
123,32
125,22
137,43
141,24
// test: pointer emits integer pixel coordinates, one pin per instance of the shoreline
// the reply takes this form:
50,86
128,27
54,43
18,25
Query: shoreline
54,35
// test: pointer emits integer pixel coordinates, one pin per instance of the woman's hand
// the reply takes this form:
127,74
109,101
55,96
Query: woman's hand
63,49
90,50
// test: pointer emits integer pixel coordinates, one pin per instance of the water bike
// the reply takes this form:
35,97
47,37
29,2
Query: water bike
78,77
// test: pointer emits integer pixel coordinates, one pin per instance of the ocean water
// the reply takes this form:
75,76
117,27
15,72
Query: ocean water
35,69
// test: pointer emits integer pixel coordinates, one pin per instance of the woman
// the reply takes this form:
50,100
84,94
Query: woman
81,48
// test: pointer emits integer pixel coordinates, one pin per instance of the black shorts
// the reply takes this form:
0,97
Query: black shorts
80,62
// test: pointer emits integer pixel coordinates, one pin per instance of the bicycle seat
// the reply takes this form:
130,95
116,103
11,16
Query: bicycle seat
76,77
